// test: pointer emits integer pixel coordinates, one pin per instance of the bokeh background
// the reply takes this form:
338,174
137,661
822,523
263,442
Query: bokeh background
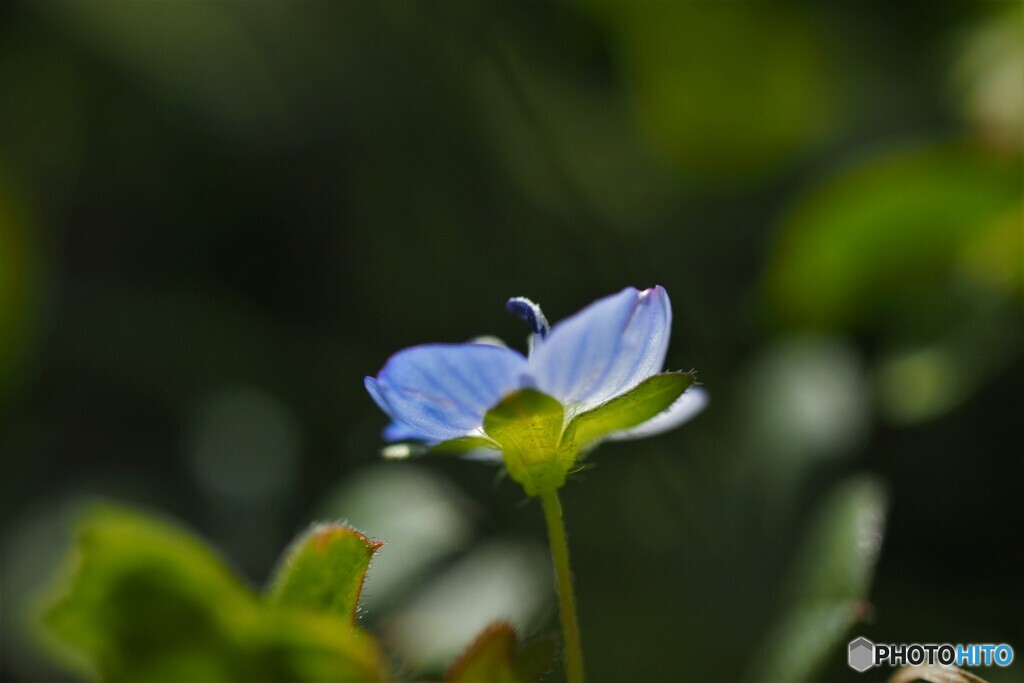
217,217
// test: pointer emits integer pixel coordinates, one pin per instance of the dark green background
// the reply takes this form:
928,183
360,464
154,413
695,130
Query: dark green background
252,205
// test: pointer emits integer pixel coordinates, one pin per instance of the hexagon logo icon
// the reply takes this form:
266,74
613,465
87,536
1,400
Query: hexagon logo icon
861,654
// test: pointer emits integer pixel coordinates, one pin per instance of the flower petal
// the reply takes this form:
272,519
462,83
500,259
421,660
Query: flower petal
441,391
396,431
607,348
686,407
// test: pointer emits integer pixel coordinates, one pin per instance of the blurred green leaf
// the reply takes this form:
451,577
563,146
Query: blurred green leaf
496,656
142,600
649,398
146,601
917,383
830,580
527,424
324,570
698,70
291,645
886,235
992,255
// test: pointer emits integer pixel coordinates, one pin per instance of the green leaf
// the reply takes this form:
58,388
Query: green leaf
324,570
496,656
880,241
142,600
830,581
649,398
137,586
292,645
462,445
697,70
527,425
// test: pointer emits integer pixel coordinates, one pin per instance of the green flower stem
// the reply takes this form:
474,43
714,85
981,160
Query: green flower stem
566,601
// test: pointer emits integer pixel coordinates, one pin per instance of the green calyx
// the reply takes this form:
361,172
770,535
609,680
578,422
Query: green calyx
540,447
527,425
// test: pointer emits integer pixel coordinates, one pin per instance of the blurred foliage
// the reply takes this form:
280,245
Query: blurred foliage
990,74
141,600
144,601
887,236
216,218
715,110
497,655
829,583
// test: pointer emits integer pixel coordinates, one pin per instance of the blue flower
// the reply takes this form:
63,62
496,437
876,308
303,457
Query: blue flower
441,393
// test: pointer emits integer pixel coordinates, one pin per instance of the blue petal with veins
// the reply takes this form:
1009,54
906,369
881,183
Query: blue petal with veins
442,391
396,431
607,348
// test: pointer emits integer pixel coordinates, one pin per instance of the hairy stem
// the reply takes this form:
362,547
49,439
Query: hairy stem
566,601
